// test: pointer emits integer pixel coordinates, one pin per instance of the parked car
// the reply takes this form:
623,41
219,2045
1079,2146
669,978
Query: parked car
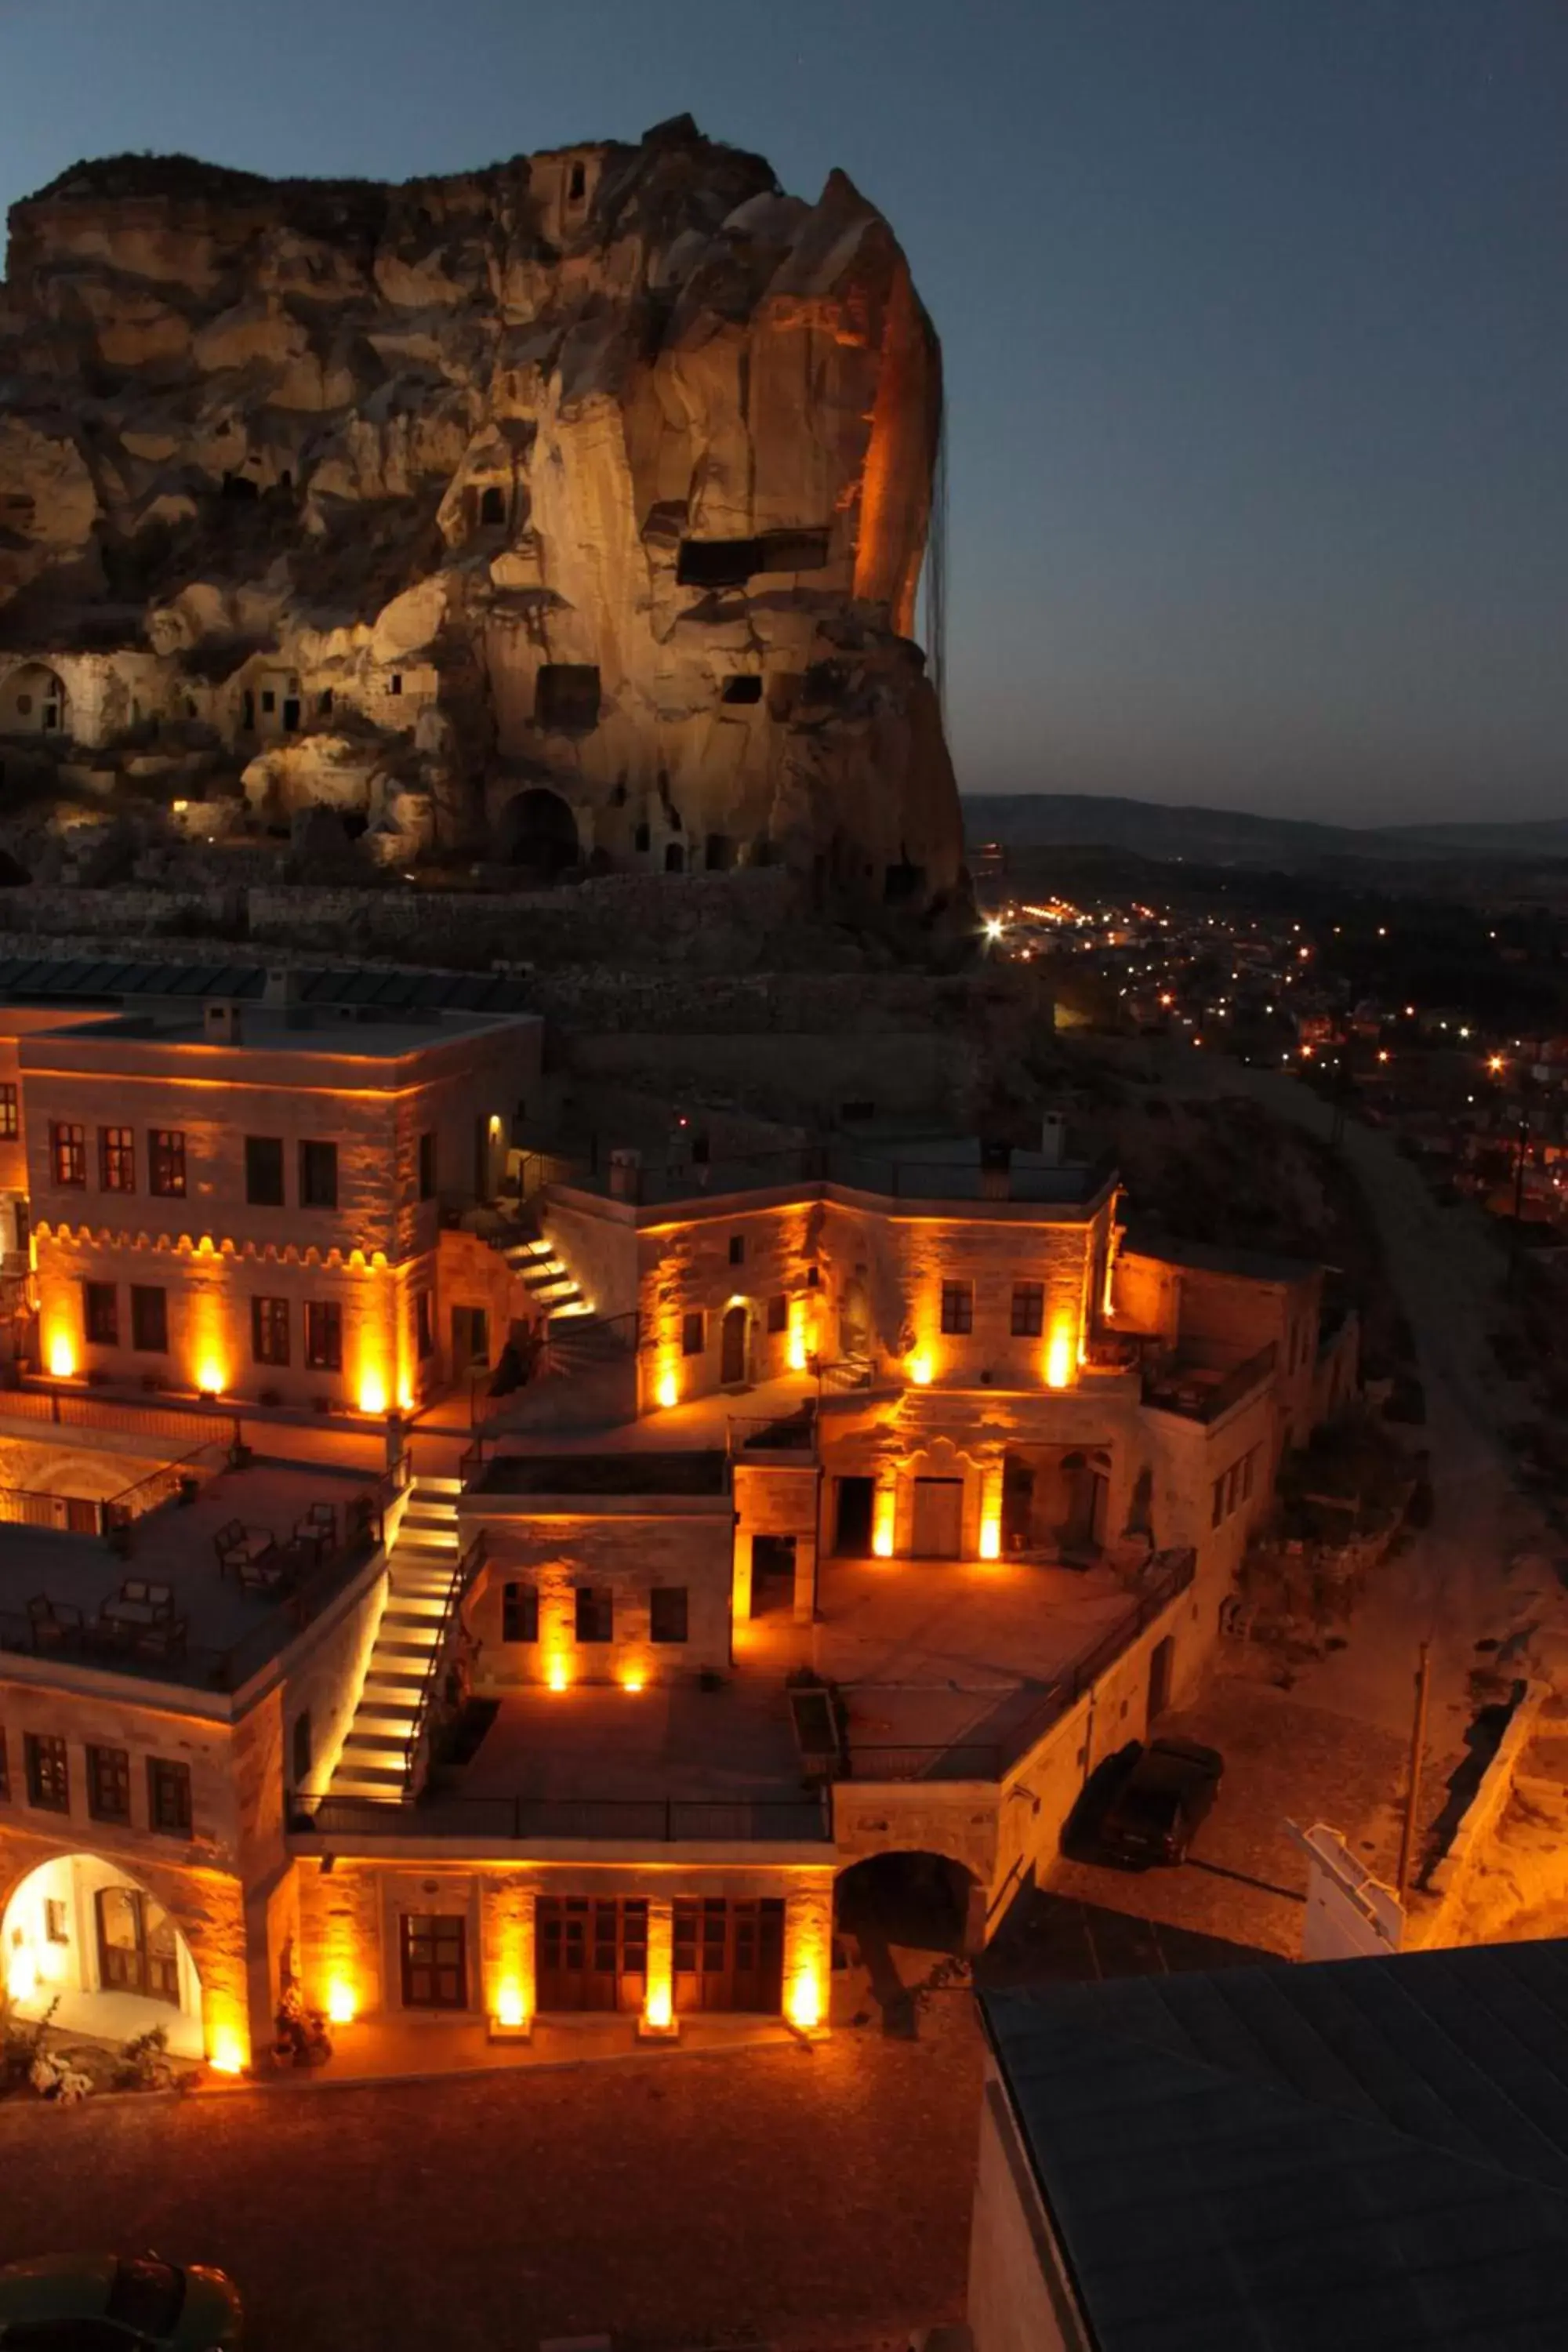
1166,1790
108,2303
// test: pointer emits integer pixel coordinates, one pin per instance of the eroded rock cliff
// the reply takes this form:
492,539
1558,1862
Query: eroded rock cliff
568,512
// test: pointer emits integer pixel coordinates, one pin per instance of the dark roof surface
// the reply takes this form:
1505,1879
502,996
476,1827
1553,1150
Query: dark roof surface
631,1473
46,978
1218,1257
1349,2155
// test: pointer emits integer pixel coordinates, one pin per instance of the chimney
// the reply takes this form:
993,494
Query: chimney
1053,1139
283,987
625,1174
220,1021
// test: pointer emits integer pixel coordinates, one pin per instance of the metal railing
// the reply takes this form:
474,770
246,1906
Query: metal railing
76,1515
135,1501
518,1820
888,1177
80,1409
793,1434
990,1759
413,1752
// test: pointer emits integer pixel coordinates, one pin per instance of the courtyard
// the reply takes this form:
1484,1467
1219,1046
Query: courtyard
804,2196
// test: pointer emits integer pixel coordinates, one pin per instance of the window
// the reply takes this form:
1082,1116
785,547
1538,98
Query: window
67,1153
520,1613
435,1960
324,701
323,1336
116,1160
57,1921
423,1327
169,1797
692,1333
428,1165
737,1249
640,838
717,563
268,698
300,1747
576,183
1232,1487
269,1330
595,1614
958,1307
264,1170
778,1312
1216,1507
48,1775
394,683
1028,1309
149,1319
493,506
109,1784
10,1128
318,1175
743,688
100,1314
667,1612
566,696
1246,1461
166,1147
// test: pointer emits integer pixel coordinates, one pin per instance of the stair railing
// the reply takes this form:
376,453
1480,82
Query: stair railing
415,1758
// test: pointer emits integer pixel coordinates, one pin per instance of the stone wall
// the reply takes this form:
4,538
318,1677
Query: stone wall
627,1551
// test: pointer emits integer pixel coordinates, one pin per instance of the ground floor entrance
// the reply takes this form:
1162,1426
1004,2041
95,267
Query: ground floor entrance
592,1952
137,1949
729,1955
79,1935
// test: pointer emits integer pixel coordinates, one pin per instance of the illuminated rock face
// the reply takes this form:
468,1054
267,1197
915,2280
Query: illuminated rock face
572,510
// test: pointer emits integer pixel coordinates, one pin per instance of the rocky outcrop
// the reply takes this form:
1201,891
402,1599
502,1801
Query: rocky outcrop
567,514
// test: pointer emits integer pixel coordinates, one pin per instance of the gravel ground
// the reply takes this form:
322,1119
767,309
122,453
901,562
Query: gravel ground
807,2197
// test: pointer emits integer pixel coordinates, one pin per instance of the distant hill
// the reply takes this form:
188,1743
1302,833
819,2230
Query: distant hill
1231,837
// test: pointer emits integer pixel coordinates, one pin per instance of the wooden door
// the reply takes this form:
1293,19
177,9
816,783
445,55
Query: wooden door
732,1349
728,1956
138,1951
591,1952
435,1948
938,1529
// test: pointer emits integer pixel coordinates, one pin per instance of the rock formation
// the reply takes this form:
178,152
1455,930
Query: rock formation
566,514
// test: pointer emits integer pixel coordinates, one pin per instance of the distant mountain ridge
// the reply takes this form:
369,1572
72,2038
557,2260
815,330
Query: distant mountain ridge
1233,836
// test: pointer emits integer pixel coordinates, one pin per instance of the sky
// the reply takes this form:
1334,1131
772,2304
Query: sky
1254,313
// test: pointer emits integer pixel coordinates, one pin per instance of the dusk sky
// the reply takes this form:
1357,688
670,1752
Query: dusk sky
1255,315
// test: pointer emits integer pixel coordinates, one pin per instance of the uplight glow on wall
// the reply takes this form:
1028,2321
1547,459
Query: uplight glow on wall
226,2055
1061,1353
342,2004
512,2010
804,2006
667,1392
920,1368
211,1378
62,1357
372,1393
883,1509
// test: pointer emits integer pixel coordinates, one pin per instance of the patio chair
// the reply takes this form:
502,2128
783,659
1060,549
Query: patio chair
263,1574
166,1639
160,1597
54,1623
237,1543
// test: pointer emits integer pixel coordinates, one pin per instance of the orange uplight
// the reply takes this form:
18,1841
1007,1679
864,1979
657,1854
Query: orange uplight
512,2010
1059,1356
557,1677
803,2007
668,1392
226,2055
211,1378
634,1680
658,2012
343,2007
62,1357
371,1394
990,1538
921,1368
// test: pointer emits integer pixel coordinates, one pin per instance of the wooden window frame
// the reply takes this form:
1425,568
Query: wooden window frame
68,1154
117,1159
594,1605
324,1335
166,1162
168,1780
269,1318
108,1783
957,1309
315,1190
46,1759
10,1111
520,1613
1028,1310
694,1332
672,1601
100,1314
443,1927
139,1341
265,1183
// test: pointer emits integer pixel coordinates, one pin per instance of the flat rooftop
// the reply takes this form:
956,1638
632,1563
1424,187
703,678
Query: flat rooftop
930,1167
357,1035
45,979
587,1474
228,1633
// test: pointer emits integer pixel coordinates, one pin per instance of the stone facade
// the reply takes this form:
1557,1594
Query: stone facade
581,528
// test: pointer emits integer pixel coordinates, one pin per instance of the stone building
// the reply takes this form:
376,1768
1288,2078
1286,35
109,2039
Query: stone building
569,511
879,1497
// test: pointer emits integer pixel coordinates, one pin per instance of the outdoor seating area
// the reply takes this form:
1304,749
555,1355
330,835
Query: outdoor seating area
139,1620
216,1588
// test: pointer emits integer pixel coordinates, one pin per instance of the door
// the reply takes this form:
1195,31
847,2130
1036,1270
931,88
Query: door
470,1340
733,1348
728,1954
591,1952
938,1529
138,1951
1161,1663
773,1573
435,1960
852,1522
291,714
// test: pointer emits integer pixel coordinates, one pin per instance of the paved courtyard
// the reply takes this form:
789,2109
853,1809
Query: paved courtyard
804,2196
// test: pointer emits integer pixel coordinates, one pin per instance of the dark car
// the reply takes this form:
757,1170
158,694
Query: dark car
1166,1791
104,2303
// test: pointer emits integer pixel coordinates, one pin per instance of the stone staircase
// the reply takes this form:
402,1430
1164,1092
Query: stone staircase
420,1574
546,1277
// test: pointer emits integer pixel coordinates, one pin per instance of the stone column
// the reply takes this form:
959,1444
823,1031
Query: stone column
808,1954
805,1611
508,1910
741,1583
657,2021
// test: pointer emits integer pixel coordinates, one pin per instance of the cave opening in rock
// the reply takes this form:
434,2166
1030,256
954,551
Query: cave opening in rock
493,506
745,687
717,563
33,701
566,697
539,833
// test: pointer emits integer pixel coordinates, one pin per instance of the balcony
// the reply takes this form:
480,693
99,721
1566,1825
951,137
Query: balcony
1205,1392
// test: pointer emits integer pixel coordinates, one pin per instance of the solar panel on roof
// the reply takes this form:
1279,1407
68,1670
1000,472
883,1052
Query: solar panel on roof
393,988
118,976
191,979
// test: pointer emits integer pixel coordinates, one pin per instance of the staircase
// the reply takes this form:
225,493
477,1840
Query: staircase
420,1575
546,1277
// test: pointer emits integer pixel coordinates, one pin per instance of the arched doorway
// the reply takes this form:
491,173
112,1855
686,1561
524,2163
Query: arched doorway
734,1344
854,1318
919,1901
539,833
33,702
79,1932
